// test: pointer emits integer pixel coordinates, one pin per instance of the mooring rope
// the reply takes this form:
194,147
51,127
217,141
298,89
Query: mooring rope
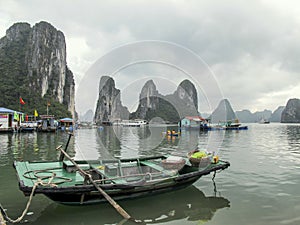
27,206
36,184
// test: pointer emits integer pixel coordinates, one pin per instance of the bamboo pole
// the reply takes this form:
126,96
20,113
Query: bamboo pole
108,198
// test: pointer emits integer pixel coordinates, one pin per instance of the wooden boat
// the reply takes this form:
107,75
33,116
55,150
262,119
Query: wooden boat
77,182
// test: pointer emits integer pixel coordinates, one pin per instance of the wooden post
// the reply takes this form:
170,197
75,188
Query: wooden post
108,198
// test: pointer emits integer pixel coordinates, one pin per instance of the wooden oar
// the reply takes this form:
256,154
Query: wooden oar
108,198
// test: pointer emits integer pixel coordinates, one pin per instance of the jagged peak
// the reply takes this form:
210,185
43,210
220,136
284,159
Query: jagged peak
43,25
224,103
148,90
223,112
187,90
16,31
106,80
150,83
186,83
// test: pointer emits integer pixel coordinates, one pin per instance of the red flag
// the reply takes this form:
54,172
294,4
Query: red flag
22,101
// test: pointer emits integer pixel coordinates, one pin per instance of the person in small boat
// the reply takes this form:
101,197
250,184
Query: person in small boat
173,132
168,132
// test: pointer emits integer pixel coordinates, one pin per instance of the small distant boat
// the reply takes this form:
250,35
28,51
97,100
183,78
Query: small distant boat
172,133
131,123
26,129
76,182
264,121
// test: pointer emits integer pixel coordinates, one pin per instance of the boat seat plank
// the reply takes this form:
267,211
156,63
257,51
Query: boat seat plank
152,165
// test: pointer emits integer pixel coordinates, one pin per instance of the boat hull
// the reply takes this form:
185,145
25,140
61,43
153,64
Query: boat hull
94,197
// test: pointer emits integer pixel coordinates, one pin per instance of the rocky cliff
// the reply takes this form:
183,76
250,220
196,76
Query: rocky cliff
170,108
109,107
33,66
185,99
276,115
223,112
149,100
291,112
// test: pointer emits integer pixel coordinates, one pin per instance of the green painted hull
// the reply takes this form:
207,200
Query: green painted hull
121,179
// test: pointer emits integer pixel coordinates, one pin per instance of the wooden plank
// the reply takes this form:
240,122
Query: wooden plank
152,165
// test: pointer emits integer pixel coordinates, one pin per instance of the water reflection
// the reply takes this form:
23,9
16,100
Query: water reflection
32,146
189,204
293,137
128,142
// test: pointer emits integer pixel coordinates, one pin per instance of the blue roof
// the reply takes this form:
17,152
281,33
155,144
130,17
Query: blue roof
66,120
6,110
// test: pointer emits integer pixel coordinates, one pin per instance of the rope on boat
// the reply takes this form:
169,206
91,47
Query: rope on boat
36,184
50,177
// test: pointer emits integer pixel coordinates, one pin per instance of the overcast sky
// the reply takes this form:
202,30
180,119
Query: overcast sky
246,51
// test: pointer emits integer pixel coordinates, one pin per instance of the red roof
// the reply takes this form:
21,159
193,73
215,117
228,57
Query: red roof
196,118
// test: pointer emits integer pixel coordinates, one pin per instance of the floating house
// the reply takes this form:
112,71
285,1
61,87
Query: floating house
29,124
9,120
192,122
47,123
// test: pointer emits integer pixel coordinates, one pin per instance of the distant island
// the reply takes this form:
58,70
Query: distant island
183,102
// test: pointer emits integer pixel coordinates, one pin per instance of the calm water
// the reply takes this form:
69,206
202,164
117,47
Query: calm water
261,187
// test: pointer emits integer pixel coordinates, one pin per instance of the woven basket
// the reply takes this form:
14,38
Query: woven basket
173,165
199,162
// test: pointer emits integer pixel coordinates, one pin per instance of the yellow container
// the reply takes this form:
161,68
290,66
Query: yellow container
215,159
